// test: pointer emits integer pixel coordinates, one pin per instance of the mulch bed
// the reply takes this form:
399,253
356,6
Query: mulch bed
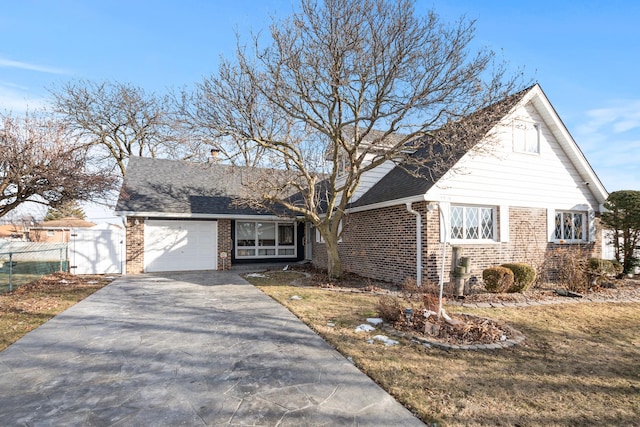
466,329
620,289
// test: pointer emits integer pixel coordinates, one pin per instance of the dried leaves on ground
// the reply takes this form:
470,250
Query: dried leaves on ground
577,367
32,304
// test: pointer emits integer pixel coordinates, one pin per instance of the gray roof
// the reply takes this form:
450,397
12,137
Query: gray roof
182,187
439,152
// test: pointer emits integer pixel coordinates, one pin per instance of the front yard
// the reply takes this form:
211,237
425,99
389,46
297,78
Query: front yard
578,365
32,304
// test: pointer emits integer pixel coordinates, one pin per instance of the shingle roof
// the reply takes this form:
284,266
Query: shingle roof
174,186
181,187
444,148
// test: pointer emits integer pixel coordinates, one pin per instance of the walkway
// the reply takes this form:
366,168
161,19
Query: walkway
185,349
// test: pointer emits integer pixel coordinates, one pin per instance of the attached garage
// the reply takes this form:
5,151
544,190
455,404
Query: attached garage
180,245
183,215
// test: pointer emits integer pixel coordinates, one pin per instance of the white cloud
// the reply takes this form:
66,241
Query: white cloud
610,139
620,117
18,99
10,63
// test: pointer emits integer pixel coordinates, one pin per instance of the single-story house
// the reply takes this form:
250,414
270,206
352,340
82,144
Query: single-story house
57,230
183,215
12,232
517,196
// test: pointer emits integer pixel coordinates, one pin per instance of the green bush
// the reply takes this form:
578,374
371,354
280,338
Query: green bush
523,276
497,279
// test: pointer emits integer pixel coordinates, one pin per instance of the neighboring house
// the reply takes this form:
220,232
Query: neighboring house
11,232
57,231
519,195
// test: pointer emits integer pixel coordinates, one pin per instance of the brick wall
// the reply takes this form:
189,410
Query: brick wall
381,244
225,244
135,245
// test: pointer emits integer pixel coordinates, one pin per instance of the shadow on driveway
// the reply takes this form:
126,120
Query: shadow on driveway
194,348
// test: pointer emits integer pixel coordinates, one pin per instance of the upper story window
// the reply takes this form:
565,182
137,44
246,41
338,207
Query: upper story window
570,227
474,223
343,165
526,137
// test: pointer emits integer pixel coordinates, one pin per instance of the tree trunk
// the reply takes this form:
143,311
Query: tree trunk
334,264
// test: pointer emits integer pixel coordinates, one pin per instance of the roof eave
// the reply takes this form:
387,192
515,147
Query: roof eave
183,215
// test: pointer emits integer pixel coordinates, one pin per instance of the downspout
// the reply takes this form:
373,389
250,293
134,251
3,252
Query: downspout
444,258
418,243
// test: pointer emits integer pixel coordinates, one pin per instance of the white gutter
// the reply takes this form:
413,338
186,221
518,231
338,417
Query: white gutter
170,215
387,204
418,243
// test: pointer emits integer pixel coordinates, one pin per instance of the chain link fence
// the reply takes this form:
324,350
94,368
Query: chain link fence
24,262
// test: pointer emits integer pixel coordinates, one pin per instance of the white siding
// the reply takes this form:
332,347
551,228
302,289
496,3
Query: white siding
370,178
505,177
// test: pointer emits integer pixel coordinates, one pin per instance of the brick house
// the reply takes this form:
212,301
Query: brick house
182,215
517,195
58,230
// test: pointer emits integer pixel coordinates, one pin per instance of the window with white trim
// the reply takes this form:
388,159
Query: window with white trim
320,239
473,223
343,165
526,136
570,227
259,239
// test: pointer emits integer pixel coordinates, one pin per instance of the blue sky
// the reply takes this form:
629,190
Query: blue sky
585,54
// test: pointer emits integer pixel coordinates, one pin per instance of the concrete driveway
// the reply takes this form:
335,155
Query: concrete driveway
188,349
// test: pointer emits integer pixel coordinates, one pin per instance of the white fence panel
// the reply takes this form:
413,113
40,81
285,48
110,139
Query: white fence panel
96,250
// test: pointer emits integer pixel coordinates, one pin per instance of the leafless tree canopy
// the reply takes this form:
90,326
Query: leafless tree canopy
40,163
345,85
118,120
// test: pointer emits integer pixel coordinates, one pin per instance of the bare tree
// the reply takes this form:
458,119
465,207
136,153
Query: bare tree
40,163
344,86
118,119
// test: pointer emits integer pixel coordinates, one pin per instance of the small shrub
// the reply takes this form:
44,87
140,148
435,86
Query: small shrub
599,269
566,267
523,276
431,302
497,279
410,289
600,266
617,266
389,308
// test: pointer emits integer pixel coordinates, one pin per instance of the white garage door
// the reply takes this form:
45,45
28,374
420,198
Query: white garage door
180,245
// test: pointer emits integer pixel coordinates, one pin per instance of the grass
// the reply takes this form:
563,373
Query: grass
31,305
578,366
26,272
